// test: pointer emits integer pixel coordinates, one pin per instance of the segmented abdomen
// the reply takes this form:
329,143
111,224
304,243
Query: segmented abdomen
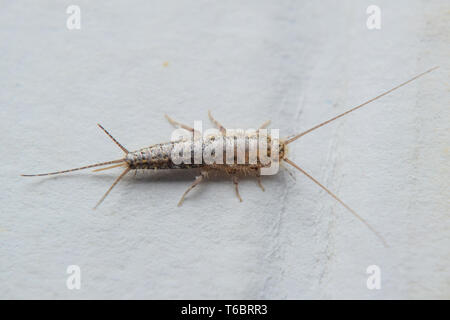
197,154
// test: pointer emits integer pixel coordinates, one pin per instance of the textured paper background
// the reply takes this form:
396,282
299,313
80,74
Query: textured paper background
295,62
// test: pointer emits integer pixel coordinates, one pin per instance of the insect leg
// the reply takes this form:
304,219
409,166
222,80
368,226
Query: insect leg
216,123
192,186
264,125
259,183
177,124
236,183
112,186
258,178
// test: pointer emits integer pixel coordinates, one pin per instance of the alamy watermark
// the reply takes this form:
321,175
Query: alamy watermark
74,279
374,280
237,146
73,22
374,19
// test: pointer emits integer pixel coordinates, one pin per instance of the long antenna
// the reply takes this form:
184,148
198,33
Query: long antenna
359,106
339,200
